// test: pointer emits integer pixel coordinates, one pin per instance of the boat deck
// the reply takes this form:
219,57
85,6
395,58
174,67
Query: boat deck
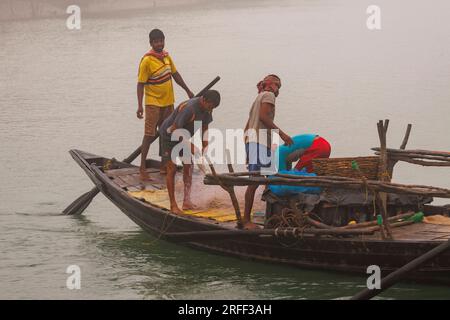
213,208
128,179
424,231
154,192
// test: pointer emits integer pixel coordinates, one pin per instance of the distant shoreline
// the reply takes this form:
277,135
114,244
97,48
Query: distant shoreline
11,10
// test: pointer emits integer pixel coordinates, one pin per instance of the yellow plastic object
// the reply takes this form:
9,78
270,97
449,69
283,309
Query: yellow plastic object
160,198
352,222
437,219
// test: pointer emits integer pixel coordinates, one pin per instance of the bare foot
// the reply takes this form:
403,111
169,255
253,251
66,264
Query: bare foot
188,205
176,210
143,175
250,226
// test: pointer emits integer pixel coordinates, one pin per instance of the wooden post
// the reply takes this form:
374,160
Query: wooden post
229,163
405,139
230,190
381,197
249,178
391,162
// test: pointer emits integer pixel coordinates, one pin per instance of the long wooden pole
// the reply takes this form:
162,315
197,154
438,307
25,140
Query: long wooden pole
230,190
381,197
281,232
81,203
408,154
421,152
374,222
400,273
423,163
227,179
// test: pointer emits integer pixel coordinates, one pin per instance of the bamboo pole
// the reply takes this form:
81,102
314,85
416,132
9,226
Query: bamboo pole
229,162
239,176
351,183
332,180
374,228
406,137
372,223
381,197
422,152
424,163
416,156
279,233
392,162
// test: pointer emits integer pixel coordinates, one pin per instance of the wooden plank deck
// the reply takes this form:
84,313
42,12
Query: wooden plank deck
127,171
128,179
418,232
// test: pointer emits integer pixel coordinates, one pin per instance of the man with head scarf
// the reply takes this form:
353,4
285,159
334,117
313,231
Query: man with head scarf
258,133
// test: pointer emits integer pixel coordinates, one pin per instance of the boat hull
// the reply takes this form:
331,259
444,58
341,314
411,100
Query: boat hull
352,255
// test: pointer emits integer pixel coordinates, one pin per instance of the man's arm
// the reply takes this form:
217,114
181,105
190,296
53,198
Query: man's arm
182,118
143,76
294,156
194,149
204,138
264,116
140,96
179,80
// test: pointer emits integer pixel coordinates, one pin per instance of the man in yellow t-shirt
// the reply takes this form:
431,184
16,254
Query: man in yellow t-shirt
155,80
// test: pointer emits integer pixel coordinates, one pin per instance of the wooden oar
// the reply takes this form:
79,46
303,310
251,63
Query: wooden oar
81,203
397,275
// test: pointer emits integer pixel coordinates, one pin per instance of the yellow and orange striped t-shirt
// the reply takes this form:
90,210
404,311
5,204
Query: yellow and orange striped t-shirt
157,75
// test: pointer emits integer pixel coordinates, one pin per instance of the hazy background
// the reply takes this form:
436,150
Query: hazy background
63,89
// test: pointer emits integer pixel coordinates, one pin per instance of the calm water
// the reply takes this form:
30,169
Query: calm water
64,89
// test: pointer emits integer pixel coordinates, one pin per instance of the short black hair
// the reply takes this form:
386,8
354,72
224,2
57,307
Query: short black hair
156,34
212,96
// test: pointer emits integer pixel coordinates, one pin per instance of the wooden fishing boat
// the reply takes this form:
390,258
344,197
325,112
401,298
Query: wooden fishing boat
214,233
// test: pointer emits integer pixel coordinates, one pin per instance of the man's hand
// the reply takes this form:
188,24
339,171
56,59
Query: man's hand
199,159
190,94
195,151
140,112
287,140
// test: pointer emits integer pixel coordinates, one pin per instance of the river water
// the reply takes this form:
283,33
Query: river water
63,89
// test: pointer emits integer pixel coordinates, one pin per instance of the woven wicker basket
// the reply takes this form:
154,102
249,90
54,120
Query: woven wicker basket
345,167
